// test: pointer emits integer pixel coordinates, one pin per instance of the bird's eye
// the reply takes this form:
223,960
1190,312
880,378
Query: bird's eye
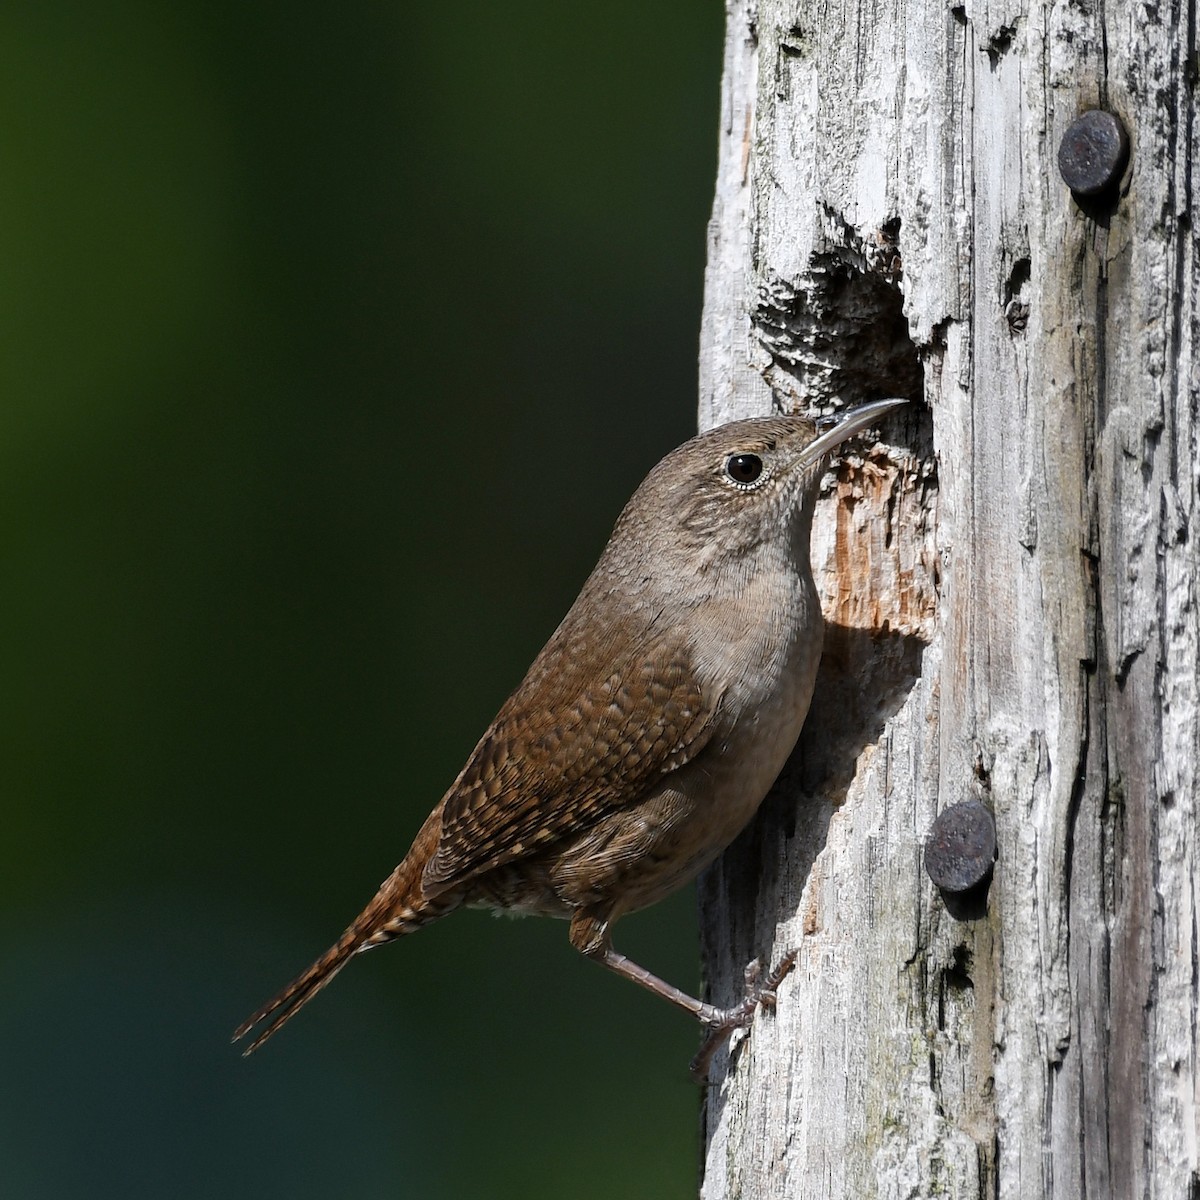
743,468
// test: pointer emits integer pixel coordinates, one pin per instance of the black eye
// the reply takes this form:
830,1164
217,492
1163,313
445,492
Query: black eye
743,468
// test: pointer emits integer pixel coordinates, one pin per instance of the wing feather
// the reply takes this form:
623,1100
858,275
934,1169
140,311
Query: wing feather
546,770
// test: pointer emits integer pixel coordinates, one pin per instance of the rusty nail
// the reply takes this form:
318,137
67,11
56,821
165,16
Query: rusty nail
1093,153
961,846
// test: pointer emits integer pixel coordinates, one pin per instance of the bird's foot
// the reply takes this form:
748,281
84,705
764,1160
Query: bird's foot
721,1022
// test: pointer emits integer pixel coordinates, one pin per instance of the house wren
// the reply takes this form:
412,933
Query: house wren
649,728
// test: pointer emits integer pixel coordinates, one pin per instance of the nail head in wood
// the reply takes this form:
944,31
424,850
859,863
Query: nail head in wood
961,847
1093,153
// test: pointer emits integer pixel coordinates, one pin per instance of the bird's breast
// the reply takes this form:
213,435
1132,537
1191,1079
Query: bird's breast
757,655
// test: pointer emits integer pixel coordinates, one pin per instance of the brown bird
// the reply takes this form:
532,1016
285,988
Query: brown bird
650,727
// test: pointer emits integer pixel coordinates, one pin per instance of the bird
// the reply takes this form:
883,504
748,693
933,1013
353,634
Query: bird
650,727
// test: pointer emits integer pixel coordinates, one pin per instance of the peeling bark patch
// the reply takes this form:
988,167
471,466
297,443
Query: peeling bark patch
873,582
839,333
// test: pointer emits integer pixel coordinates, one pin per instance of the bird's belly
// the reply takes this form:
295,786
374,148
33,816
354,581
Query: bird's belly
636,856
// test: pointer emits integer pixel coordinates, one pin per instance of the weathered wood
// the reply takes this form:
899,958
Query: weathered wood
1011,588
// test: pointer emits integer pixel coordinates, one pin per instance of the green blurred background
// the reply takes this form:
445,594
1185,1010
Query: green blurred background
334,339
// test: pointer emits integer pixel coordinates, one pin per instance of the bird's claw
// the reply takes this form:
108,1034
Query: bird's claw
723,1022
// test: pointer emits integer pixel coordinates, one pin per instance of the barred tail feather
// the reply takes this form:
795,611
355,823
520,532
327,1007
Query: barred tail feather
300,991
381,921
391,914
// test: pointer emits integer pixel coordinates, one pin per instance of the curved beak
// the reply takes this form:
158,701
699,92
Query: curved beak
847,424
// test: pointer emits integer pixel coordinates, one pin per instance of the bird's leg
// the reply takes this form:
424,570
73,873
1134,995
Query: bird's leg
589,935
707,1014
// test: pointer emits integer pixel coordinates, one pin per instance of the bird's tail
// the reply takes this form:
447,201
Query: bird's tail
388,916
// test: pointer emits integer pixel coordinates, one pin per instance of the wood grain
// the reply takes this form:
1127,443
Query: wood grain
1012,597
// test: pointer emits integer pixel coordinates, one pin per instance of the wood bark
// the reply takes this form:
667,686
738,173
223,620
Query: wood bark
1010,583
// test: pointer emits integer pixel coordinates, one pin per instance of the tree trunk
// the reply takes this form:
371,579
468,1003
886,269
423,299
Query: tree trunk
1010,584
